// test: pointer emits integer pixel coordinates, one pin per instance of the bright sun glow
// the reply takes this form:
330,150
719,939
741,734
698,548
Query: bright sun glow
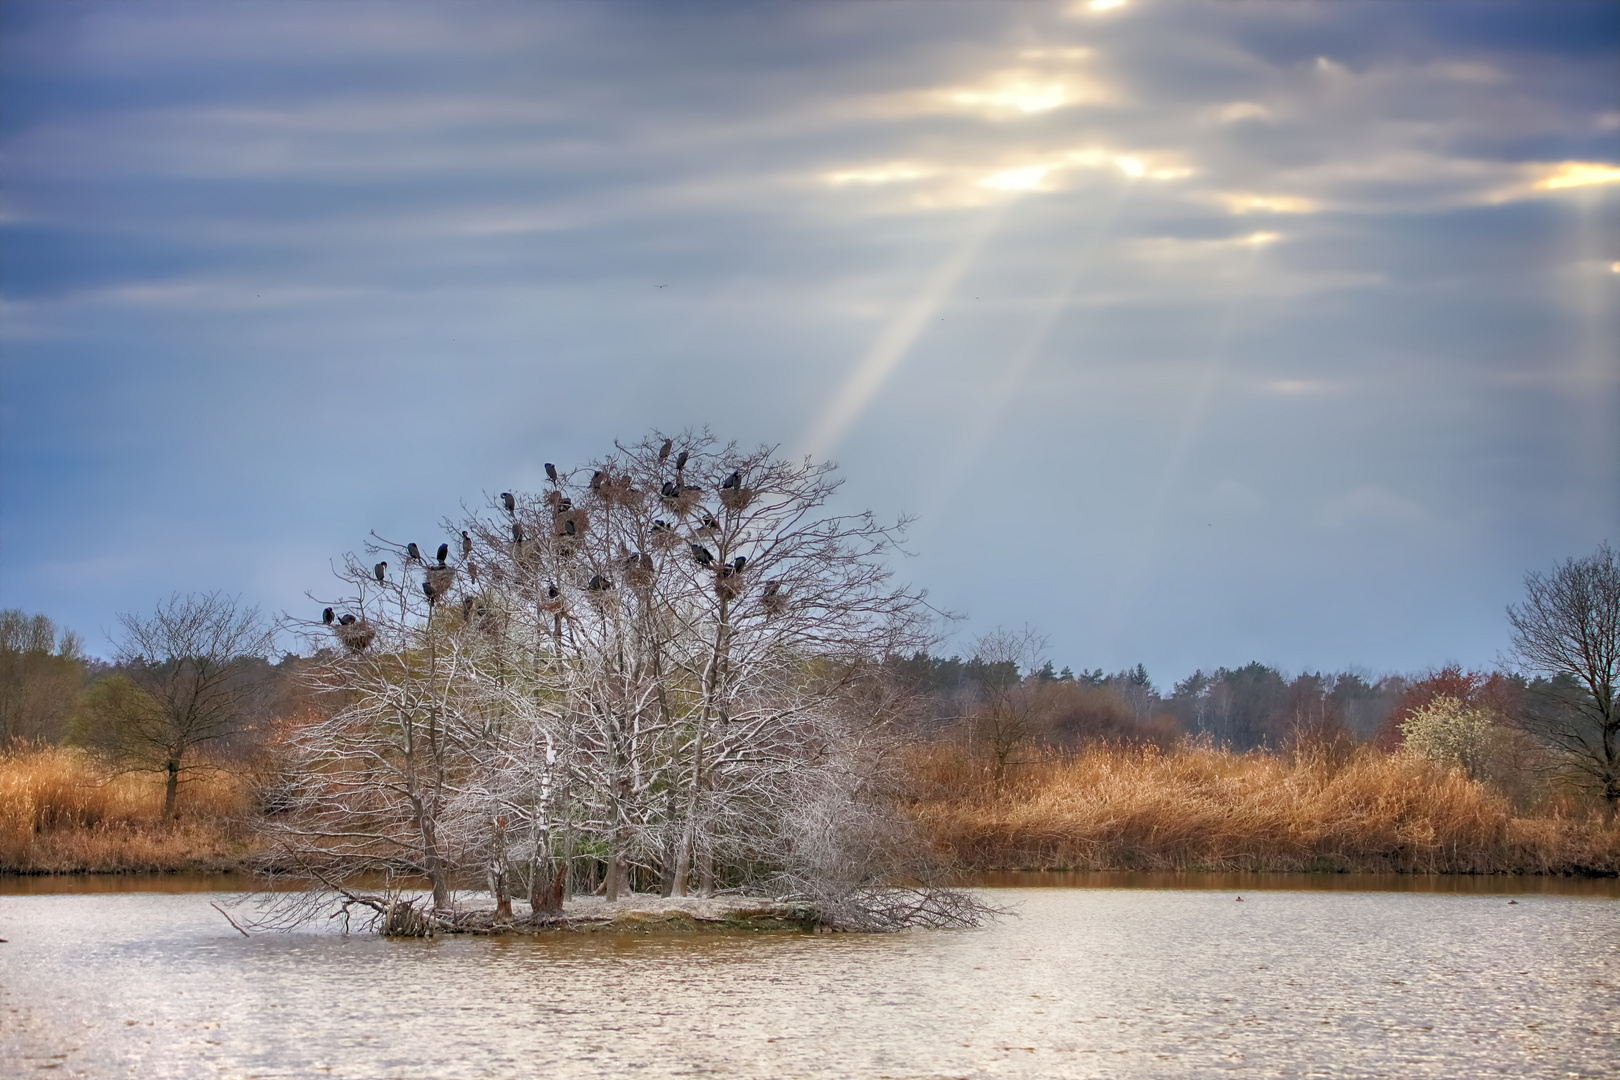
1246,202
1580,174
1027,178
1106,5
1022,97
884,174
1260,239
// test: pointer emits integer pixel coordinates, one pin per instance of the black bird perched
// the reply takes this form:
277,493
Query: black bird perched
734,480
660,525
346,620
598,478
466,544
508,502
701,554
413,552
709,522
444,553
772,588
326,616
551,472
738,563
517,532
670,490
568,527
551,591
381,570
599,584
663,451
430,592
680,461
565,504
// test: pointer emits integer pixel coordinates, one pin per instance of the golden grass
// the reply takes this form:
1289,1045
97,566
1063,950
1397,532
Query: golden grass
1195,808
61,811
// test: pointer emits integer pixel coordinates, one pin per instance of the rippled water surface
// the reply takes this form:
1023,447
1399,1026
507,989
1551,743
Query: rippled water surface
1106,982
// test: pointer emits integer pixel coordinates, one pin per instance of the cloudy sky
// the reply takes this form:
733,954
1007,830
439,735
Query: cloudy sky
1193,333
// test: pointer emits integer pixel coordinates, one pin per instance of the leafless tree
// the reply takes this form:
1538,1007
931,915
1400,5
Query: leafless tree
1568,628
41,677
186,680
1005,709
658,670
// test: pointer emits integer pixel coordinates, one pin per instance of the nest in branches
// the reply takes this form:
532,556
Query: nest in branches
728,582
356,636
774,601
621,493
736,498
562,519
683,502
667,539
440,580
638,570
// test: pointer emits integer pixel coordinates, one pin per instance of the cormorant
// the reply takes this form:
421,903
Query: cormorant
551,591
517,532
734,480
709,522
599,584
670,490
772,588
701,554
413,552
346,620
568,527
508,502
738,563
663,451
680,461
598,478
660,525
326,616
466,544
430,592
551,472
444,553
381,570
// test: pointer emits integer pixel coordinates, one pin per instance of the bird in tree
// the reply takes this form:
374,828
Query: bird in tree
551,472
709,524
702,555
326,616
413,552
659,525
444,553
738,563
346,620
670,490
508,502
680,461
517,532
598,478
663,451
568,527
466,544
381,571
733,481
430,592
551,590
565,503
599,584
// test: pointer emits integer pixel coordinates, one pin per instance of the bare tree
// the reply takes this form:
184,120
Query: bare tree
1568,628
1007,705
186,680
661,675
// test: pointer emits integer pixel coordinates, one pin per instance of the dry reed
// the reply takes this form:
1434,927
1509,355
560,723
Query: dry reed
61,811
1195,808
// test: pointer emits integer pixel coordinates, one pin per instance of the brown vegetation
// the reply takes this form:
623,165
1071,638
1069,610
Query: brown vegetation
1112,806
62,811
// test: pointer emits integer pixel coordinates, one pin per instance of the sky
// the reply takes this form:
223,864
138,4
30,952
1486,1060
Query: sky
1191,333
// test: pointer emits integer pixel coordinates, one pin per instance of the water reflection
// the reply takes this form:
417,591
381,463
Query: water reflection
1138,982
1469,884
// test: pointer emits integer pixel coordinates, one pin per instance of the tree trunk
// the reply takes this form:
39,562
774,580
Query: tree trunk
500,886
171,786
706,872
611,881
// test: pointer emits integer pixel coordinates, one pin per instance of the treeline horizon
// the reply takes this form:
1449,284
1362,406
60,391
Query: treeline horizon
48,693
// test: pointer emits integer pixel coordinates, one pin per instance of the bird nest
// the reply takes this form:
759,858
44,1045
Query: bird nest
736,498
356,636
683,502
667,539
561,519
620,492
728,583
440,579
638,570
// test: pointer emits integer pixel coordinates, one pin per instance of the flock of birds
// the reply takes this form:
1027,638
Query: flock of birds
438,577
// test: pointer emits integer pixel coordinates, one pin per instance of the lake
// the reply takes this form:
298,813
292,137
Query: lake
1096,976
